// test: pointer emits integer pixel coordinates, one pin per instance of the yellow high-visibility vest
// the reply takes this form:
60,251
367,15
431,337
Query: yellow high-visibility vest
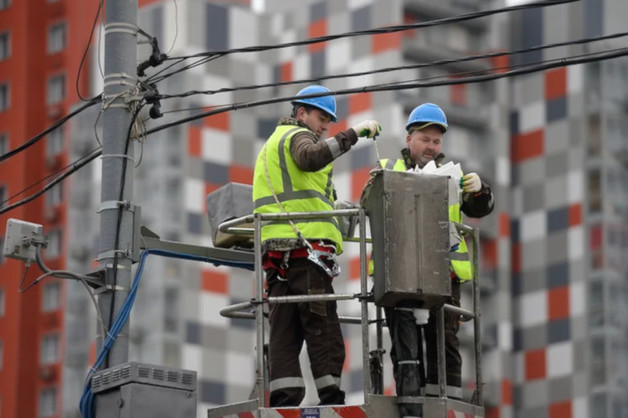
297,190
460,263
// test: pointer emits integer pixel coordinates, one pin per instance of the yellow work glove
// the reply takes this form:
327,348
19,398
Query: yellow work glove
367,128
471,183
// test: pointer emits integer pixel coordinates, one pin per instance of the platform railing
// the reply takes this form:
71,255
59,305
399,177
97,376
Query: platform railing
257,304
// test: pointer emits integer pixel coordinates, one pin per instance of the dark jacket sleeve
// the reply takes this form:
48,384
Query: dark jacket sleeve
477,205
312,154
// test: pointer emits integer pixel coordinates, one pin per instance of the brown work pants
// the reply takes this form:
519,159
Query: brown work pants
316,323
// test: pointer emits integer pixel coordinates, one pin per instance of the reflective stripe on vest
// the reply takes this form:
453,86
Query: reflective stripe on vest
298,191
460,258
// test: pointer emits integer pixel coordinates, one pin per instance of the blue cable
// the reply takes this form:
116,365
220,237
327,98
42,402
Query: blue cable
86,404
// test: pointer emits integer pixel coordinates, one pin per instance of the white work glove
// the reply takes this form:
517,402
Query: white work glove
367,128
471,183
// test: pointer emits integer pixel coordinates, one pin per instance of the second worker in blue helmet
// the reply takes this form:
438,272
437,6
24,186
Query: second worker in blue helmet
293,173
425,128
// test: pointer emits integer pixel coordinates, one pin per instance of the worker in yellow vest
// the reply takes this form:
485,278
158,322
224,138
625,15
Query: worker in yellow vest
293,173
425,128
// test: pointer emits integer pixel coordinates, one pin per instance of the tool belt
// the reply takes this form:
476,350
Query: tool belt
321,254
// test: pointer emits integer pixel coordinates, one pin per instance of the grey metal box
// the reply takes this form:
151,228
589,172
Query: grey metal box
136,390
230,201
409,219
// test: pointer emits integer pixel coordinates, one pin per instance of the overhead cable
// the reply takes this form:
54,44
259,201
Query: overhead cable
563,62
89,41
376,31
54,126
398,68
83,161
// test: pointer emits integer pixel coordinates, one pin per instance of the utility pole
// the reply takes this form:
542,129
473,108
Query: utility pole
116,235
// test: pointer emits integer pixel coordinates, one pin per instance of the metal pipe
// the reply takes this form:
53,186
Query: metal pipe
467,315
259,311
364,308
440,347
477,329
227,225
380,340
310,298
250,315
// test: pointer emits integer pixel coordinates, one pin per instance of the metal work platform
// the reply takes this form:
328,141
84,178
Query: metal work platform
417,196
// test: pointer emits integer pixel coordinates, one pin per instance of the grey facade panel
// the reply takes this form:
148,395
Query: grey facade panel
217,30
558,330
318,11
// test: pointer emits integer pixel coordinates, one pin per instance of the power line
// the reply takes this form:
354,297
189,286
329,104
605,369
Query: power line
91,34
44,179
563,62
83,161
398,68
383,30
54,126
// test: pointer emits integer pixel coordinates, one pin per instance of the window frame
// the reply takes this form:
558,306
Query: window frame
55,30
56,94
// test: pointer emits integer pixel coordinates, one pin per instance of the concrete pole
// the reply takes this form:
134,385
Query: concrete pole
120,76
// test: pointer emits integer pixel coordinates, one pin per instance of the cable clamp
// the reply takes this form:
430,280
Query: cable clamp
108,254
118,156
115,204
104,288
121,27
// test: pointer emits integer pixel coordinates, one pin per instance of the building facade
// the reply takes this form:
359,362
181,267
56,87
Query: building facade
551,144
41,45
568,145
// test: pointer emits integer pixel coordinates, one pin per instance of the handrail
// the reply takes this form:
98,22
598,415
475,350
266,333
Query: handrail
234,311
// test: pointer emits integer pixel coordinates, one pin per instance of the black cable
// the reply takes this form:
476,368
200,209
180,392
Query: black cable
154,79
54,126
119,223
398,68
388,29
45,178
75,166
563,62
89,42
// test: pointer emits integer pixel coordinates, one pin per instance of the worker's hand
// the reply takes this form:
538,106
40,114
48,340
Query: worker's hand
367,128
471,183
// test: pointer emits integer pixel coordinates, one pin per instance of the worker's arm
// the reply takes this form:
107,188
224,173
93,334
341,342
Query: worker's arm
478,204
310,154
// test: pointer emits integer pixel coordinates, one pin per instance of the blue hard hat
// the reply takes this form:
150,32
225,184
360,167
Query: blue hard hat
325,103
427,114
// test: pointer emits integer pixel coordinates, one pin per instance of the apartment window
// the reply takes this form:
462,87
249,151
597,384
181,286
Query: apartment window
4,4
56,37
47,403
2,302
4,143
4,195
171,304
54,196
2,259
51,297
5,45
55,142
4,97
49,349
54,244
56,89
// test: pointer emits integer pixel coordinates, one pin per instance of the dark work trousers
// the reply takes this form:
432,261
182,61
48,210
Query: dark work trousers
407,351
453,360
406,354
317,324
